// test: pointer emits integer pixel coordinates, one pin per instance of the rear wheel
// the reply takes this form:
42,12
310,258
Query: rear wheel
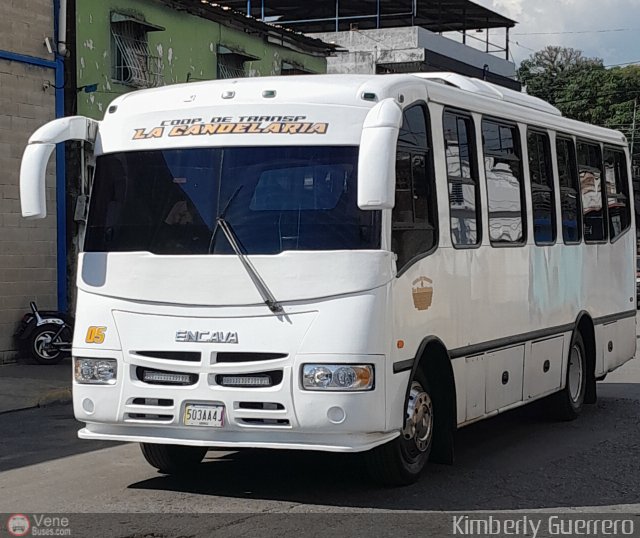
568,402
173,459
401,461
40,344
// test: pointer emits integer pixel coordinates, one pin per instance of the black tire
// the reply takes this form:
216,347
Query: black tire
400,462
38,340
567,404
173,459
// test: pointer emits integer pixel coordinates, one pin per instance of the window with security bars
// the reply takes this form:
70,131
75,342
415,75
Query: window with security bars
133,64
231,64
292,69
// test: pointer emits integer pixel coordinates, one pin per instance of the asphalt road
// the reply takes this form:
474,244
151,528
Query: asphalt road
521,460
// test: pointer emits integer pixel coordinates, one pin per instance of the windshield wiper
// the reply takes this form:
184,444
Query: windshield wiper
260,285
221,216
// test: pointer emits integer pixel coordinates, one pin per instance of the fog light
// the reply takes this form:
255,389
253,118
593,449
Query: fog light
88,406
95,371
336,415
337,377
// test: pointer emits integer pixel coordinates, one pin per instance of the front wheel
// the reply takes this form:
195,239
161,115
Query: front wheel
41,344
401,461
173,459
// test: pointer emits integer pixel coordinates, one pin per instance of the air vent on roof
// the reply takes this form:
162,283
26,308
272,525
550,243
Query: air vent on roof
493,91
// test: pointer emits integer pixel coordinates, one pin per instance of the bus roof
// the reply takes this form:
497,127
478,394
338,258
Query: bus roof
449,89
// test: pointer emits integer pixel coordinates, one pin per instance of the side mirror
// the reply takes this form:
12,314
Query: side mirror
377,158
37,154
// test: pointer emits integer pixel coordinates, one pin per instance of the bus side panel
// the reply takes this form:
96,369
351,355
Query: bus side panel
610,297
615,347
504,371
543,368
474,389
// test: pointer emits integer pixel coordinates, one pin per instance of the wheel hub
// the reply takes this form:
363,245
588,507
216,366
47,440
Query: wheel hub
419,418
575,373
43,345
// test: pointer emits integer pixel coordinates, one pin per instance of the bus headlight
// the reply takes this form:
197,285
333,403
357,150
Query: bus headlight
337,377
96,371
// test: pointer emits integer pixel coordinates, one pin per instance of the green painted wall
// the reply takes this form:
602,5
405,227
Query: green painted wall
187,45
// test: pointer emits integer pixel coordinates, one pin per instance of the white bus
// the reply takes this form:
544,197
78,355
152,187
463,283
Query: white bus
340,263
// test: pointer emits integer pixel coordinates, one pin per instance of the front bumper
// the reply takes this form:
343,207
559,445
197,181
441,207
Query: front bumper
347,442
281,416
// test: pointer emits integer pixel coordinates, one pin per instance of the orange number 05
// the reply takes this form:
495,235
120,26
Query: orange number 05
95,335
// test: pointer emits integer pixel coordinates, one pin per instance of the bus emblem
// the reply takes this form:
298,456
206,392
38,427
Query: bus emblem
210,337
422,293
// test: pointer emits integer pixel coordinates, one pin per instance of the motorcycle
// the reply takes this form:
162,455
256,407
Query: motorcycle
46,336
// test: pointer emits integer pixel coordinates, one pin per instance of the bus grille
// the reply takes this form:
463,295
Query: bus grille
186,356
149,410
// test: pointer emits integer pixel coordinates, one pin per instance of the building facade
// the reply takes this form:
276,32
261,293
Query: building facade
414,49
30,70
123,45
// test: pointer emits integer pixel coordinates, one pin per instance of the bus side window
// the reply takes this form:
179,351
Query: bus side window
615,169
503,167
542,188
414,220
569,191
462,173
590,172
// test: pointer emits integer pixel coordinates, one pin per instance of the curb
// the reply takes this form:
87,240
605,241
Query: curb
55,397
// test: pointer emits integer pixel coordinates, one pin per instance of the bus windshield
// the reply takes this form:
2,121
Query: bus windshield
274,199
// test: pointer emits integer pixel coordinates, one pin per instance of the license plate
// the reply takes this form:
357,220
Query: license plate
204,415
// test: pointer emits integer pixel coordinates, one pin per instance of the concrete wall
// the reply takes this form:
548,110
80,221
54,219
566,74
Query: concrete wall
368,48
188,45
27,248
24,25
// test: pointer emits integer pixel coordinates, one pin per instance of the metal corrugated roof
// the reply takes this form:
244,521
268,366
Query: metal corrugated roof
320,15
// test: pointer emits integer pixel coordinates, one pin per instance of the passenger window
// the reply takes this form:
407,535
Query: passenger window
617,184
414,221
590,172
542,188
569,191
462,173
502,162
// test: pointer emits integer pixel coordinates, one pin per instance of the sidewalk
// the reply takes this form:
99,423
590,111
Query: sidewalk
23,386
